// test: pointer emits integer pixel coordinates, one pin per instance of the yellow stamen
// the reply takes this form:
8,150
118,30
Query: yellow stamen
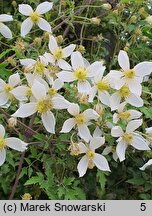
8,88
52,91
80,119
44,105
29,92
124,115
80,74
58,54
39,68
35,17
130,74
2,143
128,138
124,92
103,85
90,154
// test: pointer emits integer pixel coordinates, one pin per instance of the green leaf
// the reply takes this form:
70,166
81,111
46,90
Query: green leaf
35,179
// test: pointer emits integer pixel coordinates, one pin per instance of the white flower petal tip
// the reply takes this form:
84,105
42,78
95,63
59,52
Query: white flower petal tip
149,163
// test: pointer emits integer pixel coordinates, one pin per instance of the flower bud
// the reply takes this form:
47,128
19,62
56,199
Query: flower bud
37,41
99,109
133,19
74,149
12,122
81,49
20,45
14,3
11,61
59,39
26,196
107,6
95,20
149,20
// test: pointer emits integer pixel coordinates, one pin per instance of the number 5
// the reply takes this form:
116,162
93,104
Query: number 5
143,206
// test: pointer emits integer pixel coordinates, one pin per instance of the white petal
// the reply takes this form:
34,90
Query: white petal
133,125
146,165
104,97
64,65
115,101
25,9
101,162
96,142
123,60
2,85
44,25
5,18
115,118
74,109
26,26
2,131
97,132
134,114
149,130
121,149
82,166
135,100
82,147
107,150
67,51
84,132
144,68
25,110
135,87
92,93
49,57
5,31
94,69
4,97
68,125
60,103
27,62
44,7
16,144
91,114
84,86
58,84
99,75
48,122
77,60
66,76
117,131
14,80
139,143
38,90
20,92
2,156
53,44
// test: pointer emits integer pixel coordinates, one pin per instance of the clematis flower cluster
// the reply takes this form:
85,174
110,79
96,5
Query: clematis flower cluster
41,88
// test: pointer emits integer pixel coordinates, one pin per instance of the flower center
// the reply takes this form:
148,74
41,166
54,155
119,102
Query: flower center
128,138
2,143
124,92
29,92
39,68
44,105
58,54
124,115
103,85
52,91
8,88
80,119
130,74
80,74
35,17
90,154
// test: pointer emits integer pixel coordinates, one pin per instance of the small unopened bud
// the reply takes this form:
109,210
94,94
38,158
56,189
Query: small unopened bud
59,39
14,3
46,36
115,12
138,32
141,10
81,49
149,20
133,19
12,122
11,61
26,196
74,149
120,7
95,20
99,109
107,6
37,41
20,45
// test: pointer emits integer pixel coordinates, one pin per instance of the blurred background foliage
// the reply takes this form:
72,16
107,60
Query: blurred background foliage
100,29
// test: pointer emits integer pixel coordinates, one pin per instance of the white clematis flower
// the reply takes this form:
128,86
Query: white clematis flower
149,163
81,120
130,77
5,88
101,85
44,105
125,115
4,30
58,54
11,142
91,159
126,95
129,137
81,72
35,17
